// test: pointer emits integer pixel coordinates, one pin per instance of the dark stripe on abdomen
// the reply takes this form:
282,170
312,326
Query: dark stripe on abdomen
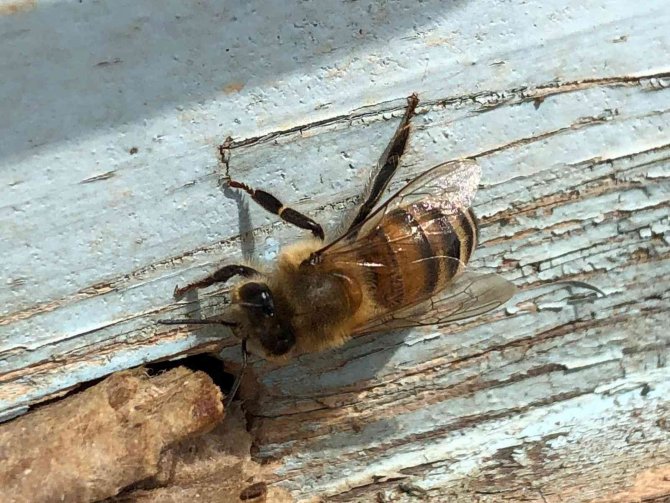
382,268
409,271
420,268
467,234
449,244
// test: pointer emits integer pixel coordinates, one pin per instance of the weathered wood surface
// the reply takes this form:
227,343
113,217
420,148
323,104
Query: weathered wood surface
111,118
91,445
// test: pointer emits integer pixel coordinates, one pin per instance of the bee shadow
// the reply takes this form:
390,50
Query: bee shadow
245,226
324,394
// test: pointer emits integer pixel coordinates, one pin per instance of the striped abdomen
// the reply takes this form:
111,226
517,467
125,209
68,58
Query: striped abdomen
418,250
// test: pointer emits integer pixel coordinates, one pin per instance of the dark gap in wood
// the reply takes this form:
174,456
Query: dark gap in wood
207,363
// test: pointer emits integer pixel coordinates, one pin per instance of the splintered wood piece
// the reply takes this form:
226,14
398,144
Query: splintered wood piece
91,445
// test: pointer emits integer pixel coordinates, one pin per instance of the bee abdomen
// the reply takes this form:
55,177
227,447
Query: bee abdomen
416,252
454,240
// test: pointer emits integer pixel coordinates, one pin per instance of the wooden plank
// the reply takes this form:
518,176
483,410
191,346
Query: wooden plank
111,196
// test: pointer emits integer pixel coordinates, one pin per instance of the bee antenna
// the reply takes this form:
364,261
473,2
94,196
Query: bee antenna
238,379
573,299
579,284
197,322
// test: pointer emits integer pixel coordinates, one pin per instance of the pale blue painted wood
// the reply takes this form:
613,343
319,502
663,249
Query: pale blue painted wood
110,118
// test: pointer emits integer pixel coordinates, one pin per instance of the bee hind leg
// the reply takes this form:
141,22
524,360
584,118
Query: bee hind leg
275,206
220,276
387,164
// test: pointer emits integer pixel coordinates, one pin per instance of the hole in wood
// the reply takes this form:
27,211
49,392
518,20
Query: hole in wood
207,363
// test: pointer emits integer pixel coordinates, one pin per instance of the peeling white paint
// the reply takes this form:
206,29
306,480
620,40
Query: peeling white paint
112,195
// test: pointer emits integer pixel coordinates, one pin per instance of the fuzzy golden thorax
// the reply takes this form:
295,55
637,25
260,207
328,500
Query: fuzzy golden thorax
296,308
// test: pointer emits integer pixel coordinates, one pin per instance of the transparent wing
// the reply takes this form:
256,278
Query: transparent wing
421,276
394,252
445,189
470,294
407,243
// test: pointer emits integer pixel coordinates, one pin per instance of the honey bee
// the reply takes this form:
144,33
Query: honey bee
398,264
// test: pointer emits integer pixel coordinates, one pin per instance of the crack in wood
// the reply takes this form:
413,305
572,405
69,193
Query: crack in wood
516,96
102,176
121,281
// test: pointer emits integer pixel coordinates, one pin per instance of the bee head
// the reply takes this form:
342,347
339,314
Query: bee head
258,322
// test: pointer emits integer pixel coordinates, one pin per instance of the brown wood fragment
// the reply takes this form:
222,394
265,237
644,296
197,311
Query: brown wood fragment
91,445
213,468
651,485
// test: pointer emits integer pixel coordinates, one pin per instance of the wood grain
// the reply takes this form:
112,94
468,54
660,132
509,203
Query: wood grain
111,196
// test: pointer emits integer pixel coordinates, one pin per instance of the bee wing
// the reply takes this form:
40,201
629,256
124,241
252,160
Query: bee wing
446,187
470,294
381,244
423,276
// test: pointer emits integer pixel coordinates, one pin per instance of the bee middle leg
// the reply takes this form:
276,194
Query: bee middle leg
387,164
220,276
275,206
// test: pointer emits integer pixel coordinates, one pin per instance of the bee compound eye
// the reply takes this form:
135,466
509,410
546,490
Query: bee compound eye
257,295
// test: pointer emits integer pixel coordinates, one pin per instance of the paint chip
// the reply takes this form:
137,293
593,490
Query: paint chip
233,87
10,8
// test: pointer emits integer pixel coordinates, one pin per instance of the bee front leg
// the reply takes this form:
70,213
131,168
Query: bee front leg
275,206
387,164
220,276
